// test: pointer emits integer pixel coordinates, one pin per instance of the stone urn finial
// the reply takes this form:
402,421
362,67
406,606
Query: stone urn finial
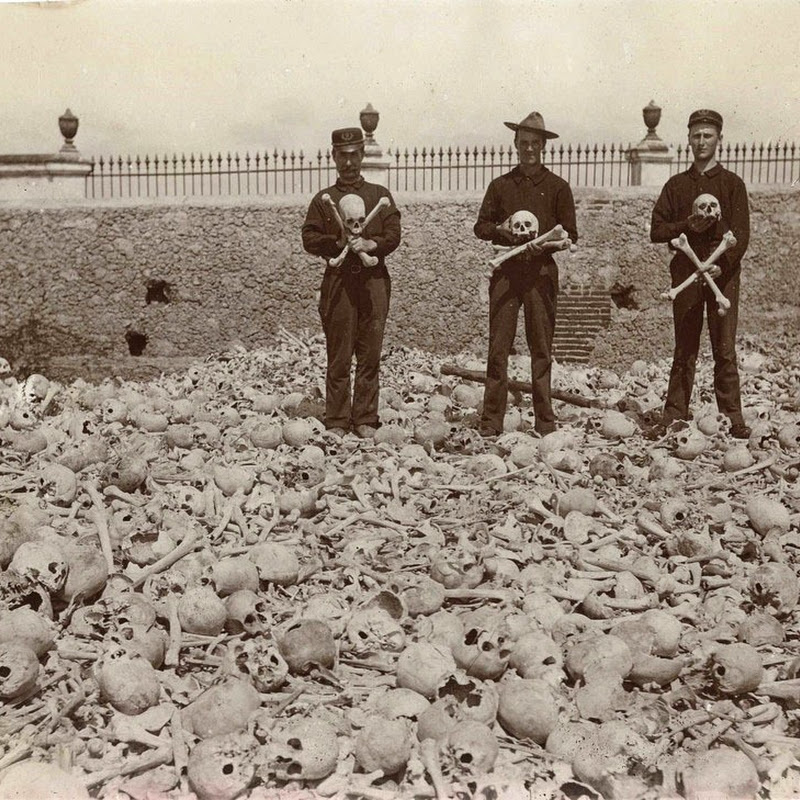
369,121
68,125
652,116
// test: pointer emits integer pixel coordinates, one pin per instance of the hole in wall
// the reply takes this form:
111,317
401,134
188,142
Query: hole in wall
623,295
136,342
158,292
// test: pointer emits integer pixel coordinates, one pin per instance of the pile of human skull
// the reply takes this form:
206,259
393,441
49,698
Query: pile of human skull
204,593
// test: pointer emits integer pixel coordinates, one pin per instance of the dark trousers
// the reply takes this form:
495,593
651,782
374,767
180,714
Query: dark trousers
688,321
534,290
353,308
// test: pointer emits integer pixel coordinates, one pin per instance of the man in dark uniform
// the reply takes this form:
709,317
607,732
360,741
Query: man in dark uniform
529,280
354,298
672,216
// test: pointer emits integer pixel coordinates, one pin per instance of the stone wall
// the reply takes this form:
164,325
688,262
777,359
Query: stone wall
134,289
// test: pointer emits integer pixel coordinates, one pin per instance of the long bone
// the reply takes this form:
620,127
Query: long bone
728,241
337,262
366,259
682,244
556,234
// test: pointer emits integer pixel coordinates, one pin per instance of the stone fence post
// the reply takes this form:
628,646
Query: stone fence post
651,159
59,176
374,167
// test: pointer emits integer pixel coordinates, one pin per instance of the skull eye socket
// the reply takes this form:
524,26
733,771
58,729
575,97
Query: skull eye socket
295,743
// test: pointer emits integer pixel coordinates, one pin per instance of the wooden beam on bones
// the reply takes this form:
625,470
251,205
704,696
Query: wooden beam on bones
523,386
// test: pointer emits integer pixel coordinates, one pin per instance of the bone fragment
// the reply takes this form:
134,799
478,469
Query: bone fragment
682,244
555,234
144,763
100,518
369,260
429,755
192,540
522,386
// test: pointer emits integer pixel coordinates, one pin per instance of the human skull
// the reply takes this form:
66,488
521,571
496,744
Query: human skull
607,467
247,613
736,668
303,750
424,667
383,744
472,749
222,767
484,650
275,563
528,709
19,669
230,575
690,443
19,592
114,410
706,205
523,223
258,661
128,681
306,644
455,568
536,655
468,699
332,609
57,484
674,512
34,388
42,562
775,586
200,611
127,473
351,207
370,631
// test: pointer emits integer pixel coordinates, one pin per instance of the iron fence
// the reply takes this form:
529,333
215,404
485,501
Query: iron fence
753,163
209,176
417,170
455,170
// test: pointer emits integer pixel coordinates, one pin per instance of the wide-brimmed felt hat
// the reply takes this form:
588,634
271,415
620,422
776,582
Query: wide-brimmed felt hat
347,138
533,122
706,116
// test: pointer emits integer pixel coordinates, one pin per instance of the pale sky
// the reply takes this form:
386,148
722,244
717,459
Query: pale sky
176,76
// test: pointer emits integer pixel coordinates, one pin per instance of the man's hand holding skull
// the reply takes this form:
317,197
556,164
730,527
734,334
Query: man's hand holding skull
523,226
706,212
352,220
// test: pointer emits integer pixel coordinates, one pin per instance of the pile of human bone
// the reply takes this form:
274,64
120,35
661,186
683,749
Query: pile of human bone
205,594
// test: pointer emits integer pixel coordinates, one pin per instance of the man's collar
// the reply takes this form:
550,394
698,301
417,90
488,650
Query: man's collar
357,184
711,173
518,175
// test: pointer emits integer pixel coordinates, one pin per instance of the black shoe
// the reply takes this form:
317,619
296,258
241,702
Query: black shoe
544,429
488,431
740,431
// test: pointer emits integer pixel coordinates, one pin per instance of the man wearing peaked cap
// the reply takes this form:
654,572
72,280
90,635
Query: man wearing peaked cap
354,296
676,213
347,138
707,116
528,280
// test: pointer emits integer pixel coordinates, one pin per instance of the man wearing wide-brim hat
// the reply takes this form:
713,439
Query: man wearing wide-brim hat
529,280
354,298
674,214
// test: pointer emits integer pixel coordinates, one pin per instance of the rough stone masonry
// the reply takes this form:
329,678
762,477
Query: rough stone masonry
134,288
